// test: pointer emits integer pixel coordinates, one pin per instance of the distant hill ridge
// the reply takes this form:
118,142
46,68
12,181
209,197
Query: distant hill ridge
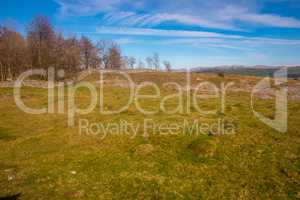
258,70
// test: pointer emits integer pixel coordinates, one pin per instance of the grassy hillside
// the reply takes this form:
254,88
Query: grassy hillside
42,158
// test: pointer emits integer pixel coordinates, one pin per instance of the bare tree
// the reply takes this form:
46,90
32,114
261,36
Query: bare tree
104,47
72,54
167,65
149,61
131,62
89,54
125,62
141,65
41,40
13,53
114,58
156,61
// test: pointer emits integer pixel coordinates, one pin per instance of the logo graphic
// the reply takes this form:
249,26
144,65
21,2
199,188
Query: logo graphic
279,123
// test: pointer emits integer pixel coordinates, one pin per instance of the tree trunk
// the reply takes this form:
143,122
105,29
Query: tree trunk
9,74
1,71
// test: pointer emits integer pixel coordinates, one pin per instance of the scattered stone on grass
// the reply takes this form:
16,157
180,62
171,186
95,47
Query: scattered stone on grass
73,172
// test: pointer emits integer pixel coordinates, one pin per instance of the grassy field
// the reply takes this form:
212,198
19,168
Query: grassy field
42,158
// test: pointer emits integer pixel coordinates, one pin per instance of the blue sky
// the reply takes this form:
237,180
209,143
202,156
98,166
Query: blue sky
189,33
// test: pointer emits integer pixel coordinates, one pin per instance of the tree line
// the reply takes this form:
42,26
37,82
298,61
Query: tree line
151,62
42,48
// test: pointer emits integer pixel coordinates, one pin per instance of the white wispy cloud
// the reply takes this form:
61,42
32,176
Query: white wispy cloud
231,13
271,20
160,32
195,38
207,42
150,20
217,14
86,7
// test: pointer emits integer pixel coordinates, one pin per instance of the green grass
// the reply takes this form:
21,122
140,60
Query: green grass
40,153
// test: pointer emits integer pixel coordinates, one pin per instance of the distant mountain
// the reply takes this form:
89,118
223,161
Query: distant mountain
258,70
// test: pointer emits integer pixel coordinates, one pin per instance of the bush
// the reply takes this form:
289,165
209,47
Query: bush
221,75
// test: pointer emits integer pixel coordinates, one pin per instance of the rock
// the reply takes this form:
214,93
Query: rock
144,149
73,172
10,178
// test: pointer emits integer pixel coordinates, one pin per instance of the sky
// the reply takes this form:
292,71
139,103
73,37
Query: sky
188,33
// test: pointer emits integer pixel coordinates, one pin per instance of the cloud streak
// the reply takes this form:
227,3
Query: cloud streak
197,39
151,20
232,13
160,32
216,14
271,20
189,34
85,7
